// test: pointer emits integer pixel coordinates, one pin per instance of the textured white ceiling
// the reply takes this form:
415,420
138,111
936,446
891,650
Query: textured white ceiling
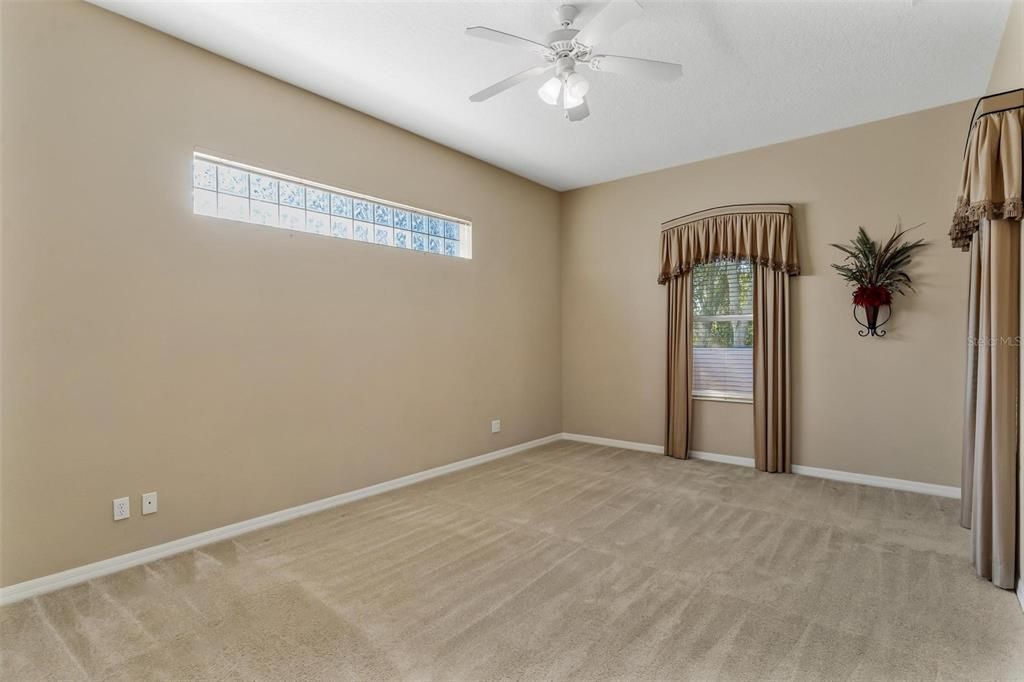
754,73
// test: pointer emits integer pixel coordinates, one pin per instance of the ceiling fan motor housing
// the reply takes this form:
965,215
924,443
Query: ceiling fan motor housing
561,41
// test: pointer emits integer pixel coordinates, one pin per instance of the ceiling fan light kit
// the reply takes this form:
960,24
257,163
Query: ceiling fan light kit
565,49
566,88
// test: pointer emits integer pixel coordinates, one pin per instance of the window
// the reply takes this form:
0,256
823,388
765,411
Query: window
723,331
234,191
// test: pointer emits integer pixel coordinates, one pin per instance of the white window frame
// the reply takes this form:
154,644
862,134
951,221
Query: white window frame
722,396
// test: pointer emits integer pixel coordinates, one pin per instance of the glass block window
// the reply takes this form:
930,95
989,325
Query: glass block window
723,331
235,191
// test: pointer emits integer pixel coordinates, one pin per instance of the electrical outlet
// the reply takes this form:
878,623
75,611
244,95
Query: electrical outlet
122,508
148,503
495,425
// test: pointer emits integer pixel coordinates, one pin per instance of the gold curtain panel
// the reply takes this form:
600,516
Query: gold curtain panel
987,223
761,234
990,183
758,233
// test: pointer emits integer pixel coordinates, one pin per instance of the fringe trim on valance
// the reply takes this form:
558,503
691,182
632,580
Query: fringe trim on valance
679,271
967,217
760,234
991,181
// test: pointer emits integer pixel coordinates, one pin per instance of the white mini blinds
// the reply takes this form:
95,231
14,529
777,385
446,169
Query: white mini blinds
723,331
234,191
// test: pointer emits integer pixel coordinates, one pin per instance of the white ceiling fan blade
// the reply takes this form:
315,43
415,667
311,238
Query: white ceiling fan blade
507,39
579,112
634,66
504,85
610,20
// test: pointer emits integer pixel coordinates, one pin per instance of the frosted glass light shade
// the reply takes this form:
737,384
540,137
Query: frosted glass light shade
570,101
550,90
576,85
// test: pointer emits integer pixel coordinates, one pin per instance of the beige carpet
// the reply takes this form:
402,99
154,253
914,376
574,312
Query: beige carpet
569,561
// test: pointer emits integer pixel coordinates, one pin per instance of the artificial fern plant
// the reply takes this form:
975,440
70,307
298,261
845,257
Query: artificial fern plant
877,270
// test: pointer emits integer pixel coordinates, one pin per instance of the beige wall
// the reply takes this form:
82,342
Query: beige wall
232,367
1008,70
235,369
887,407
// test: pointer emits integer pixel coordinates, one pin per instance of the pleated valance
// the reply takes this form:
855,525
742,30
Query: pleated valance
990,183
758,233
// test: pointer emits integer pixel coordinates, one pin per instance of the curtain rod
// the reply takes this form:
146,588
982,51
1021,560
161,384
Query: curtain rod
975,116
715,208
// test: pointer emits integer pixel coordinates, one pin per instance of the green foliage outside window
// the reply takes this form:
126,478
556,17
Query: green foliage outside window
722,288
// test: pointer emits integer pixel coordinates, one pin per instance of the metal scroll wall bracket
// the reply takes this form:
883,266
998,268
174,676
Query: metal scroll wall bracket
872,327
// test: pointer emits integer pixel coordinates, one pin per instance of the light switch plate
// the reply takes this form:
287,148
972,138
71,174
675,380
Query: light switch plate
148,503
495,425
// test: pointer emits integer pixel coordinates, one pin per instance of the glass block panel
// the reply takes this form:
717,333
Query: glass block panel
204,202
263,212
362,231
317,223
293,218
318,200
383,235
361,210
232,207
232,181
263,188
229,190
204,174
341,205
293,195
381,214
341,227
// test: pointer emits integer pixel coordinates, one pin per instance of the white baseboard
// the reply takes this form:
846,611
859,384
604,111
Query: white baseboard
72,576
80,574
724,459
815,472
612,443
951,491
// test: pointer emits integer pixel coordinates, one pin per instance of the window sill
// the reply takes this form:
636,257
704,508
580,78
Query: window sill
724,399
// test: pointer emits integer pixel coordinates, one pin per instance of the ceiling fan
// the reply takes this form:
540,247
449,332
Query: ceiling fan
566,48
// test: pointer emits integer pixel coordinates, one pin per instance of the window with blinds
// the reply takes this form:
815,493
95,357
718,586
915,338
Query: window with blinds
723,331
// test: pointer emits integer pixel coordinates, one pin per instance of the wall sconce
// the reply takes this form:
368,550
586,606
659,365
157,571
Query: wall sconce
876,271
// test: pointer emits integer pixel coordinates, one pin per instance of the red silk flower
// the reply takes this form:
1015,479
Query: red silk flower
867,296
